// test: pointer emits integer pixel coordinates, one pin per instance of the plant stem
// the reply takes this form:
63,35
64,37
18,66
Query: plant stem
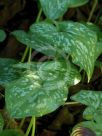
39,15
33,127
29,127
22,122
32,122
71,103
92,10
24,55
27,48
99,13
30,53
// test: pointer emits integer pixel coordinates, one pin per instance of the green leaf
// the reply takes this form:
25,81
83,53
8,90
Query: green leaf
7,72
40,91
38,33
2,35
10,132
83,45
93,100
54,9
77,3
21,36
73,38
34,40
28,96
42,28
1,122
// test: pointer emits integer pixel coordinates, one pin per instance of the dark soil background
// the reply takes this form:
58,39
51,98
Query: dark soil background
20,14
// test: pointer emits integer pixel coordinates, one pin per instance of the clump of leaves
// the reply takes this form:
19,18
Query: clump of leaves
38,88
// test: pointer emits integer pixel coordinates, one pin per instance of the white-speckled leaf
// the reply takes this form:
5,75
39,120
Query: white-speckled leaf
93,99
54,9
83,45
34,37
2,35
98,31
41,91
52,70
7,72
58,72
11,132
1,122
38,33
42,28
27,97
76,39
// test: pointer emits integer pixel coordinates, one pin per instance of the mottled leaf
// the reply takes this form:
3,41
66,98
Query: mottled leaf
40,91
1,122
83,45
93,99
2,35
34,37
78,40
7,72
42,28
28,97
70,37
10,132
54,9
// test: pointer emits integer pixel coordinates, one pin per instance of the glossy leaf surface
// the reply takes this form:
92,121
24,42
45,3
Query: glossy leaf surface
40,91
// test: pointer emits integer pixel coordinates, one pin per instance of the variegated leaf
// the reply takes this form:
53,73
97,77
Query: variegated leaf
54,9
67,38
93,99
83,45
40,91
